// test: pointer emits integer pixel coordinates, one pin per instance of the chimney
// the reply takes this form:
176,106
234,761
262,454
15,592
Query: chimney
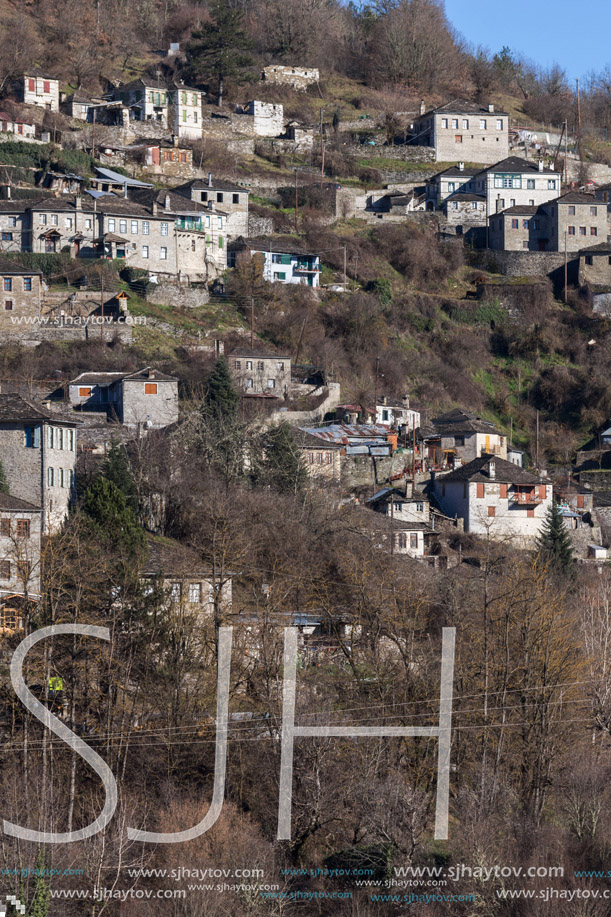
209,179
405,400
174,140
154,208
540,165
210,205
492,469
167,202
491,109
461,167
78,202
422,107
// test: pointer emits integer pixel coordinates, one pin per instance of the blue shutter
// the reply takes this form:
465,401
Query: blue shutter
37,437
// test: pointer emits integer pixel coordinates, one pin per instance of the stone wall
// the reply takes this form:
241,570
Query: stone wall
404,153
259,226
528,264
177,295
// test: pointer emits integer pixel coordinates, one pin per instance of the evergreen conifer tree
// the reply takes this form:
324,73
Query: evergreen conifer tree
219,48
554,544
4,489
116,468
115,522
282,465
222,400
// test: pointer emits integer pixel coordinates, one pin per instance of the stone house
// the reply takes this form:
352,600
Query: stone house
161,157
463,131
256,372
185,111
464,211
297,77
495,498
77,105
20,531
188,586
20,290
458,437
37,89
511,182
566,222
11,124
409,506
281,262
38,452
595,265
180,240
401,537
147,100
323,459
232,198
147,399
267,118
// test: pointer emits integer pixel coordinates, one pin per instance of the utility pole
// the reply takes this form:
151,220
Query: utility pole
345,275
392,526
252,322
102,297
537,449
413,452
375,392
566,265
322,150
93,134
566,152
296,202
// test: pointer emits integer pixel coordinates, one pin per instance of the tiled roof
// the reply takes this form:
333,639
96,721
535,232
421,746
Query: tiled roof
461,107
307,440
8,504
96,379
166,557
458,421
140,375
8,266
602,248
576,197
504,472
218,184
467,196
518,210
468,172
257,354
279,246
147,373
517,164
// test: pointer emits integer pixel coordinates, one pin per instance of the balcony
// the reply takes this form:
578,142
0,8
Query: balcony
491,450
306,267
190,225
524,498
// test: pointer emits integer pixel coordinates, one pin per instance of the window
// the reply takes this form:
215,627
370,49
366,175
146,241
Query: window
236,198
150,388
276,259
401,540
175,592
54,219
219,222
260,365
134,227
123,226
195,592
145,251
249,383
31,85
571,230
5,569
531,202
530,183
68,222
271,383
524,224
499,124
5,527
43,219
482,124
593,211
413,540
444,122
60,438
492,510
164,229
71,442
237,364
163,253
83,392
582,230
27,284
589,260
280,367
465,124
593,231
515,224
512,202
46,86
507,180
474,205
61,476
221,242
51,437
219,197
145,228
551,184
525,243
50,477
32,437
8,284
571,210
7,236
458,138
8,305
249,364
23,528
480,491
455,123
111,225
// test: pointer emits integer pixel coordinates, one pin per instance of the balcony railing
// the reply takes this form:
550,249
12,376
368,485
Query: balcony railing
307,267
525,499
492,450
190,225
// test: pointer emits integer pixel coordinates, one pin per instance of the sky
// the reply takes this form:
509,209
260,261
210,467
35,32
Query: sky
545,31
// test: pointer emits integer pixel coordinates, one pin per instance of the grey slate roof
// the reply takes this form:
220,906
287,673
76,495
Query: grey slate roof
458,421
461,107
8,266
200,184
505,472
9,504
15,409
517,164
